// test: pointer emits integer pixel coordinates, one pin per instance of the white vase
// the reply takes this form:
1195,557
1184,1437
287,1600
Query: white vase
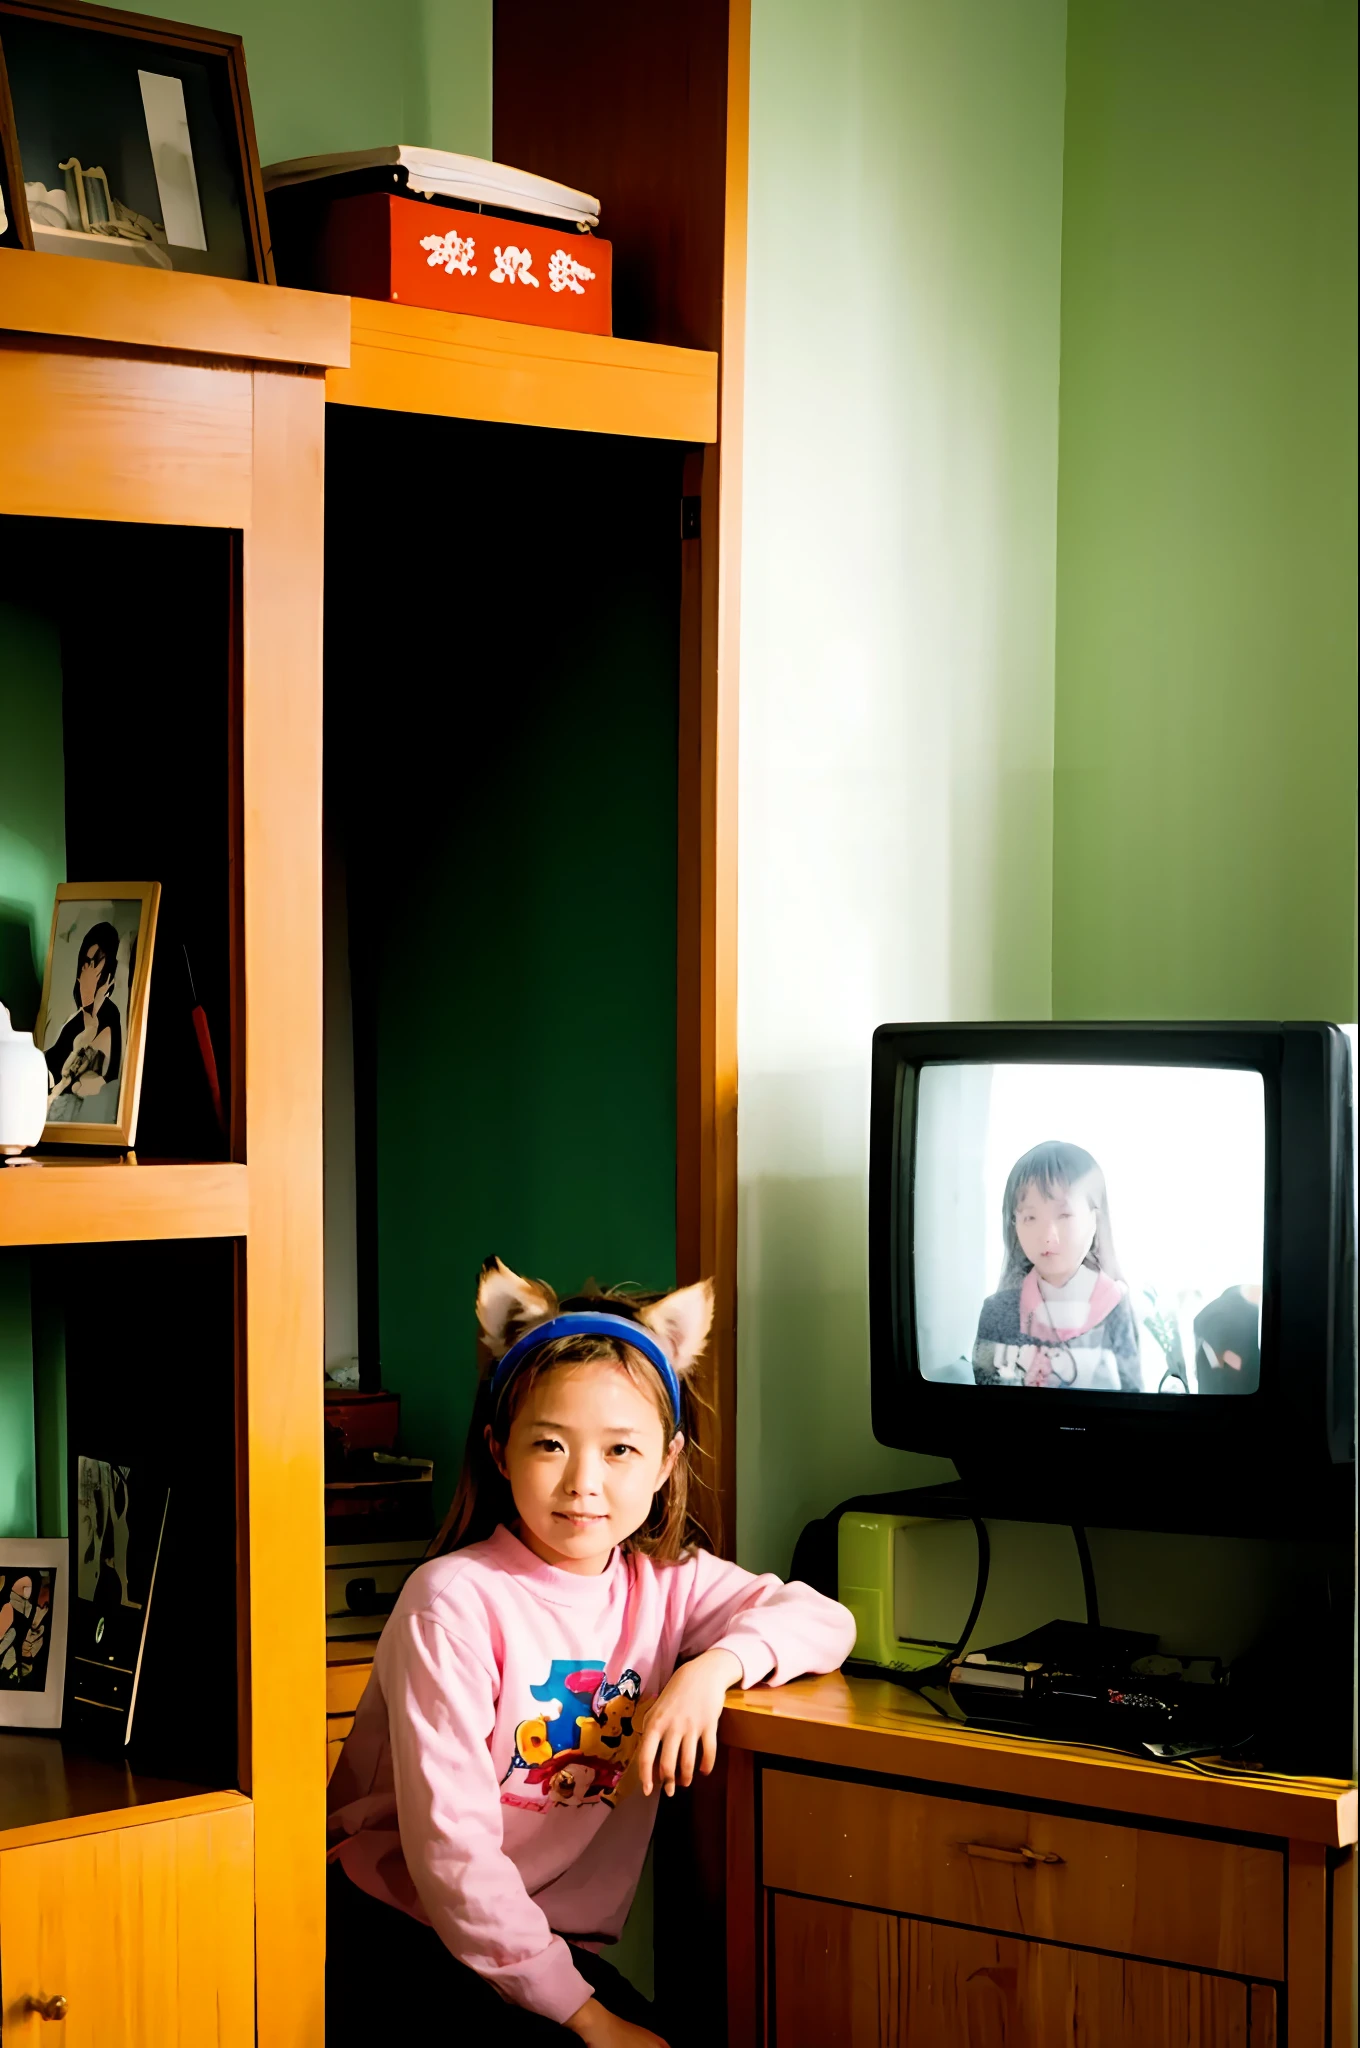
23,1089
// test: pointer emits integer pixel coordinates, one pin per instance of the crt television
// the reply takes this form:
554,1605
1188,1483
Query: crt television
1112,1268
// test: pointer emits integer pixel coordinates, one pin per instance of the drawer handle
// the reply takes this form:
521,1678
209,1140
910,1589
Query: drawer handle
47,2008
1025,1855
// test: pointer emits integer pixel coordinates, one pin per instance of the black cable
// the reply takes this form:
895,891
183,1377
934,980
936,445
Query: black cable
984,1567
1088,1575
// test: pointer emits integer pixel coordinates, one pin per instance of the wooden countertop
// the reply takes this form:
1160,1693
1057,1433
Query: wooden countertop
864,1724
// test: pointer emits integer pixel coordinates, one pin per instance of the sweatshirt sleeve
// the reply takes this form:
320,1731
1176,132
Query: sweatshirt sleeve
775,1631
441,1706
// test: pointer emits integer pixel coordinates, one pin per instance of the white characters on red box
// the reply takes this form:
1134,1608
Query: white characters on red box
514,266
451,252
565,274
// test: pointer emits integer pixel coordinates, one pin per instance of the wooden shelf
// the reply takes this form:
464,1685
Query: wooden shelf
47,1795
112,1201
406,359
175,311
867,1724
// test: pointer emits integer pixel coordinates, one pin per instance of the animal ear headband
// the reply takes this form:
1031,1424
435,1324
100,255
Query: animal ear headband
670,1334
581,1324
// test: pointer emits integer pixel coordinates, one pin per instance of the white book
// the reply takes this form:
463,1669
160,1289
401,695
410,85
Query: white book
444,174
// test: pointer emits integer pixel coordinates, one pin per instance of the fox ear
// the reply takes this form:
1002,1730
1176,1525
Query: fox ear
508,1306
682,1321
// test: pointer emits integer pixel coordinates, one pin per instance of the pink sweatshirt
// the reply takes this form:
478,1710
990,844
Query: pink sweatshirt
486,1787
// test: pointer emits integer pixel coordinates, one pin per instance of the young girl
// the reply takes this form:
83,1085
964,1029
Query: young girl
1061,1316
536,1687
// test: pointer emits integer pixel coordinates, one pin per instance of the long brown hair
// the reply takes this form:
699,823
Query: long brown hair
482,1500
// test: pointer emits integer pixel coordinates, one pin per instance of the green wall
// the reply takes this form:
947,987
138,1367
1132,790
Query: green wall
32,788
1204,787
349,74
502,760
32,862
898,560
944,813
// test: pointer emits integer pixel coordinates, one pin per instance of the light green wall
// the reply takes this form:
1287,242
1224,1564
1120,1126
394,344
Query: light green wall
897,644
1204,806
349,74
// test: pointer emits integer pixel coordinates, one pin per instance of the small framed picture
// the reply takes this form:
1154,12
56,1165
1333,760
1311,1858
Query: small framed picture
14,230
92,1023
34,1612
130,140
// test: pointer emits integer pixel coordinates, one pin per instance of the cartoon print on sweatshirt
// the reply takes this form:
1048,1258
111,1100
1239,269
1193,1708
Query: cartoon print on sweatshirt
577,1748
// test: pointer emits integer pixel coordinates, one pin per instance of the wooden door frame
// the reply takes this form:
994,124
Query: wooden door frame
649,109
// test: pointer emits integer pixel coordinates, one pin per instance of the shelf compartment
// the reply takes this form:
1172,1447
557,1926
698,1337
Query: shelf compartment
117,1201
47,1794
408,359
144,309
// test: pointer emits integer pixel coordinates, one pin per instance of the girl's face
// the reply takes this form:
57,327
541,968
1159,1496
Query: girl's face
92,971
585,1454
1055,1231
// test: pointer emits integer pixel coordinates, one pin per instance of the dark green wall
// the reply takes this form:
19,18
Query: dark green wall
32,862
1204,799
501,742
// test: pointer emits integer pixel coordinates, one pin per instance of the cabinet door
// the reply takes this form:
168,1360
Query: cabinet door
844,1977
146,1932
961,1989
835,1976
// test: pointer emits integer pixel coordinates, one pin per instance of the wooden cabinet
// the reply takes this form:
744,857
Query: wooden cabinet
876,1877
145,1931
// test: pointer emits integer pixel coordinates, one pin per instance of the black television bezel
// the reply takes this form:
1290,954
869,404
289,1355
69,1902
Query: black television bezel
1150,1460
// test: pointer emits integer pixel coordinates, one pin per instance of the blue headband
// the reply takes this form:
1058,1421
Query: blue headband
586,1324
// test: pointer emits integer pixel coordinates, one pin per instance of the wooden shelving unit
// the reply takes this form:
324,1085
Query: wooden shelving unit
197,1910
118,1201
147,399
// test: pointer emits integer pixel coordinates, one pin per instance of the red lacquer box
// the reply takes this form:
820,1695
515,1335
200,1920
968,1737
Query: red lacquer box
379,245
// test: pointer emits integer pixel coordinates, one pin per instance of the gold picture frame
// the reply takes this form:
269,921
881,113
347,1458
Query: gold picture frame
93,1037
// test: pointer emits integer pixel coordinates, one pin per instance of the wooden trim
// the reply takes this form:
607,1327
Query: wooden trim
745,1903
173,311
93,435
114,1201
120,1817
706,1043
1306,1994
281,741
1342,1906
869,1726
411,359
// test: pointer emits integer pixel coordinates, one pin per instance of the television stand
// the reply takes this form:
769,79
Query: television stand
858,1870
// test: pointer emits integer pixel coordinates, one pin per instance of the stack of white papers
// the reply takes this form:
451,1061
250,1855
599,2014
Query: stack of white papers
443,174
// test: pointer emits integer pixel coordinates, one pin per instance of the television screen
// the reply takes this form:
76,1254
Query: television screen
1098,1228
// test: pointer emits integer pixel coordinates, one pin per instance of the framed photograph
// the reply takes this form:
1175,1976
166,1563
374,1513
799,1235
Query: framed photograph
130,140
117,1537
34,1615
14,231
92,1023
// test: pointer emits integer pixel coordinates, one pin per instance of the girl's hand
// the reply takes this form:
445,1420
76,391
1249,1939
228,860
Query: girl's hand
683,1725
600,2028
